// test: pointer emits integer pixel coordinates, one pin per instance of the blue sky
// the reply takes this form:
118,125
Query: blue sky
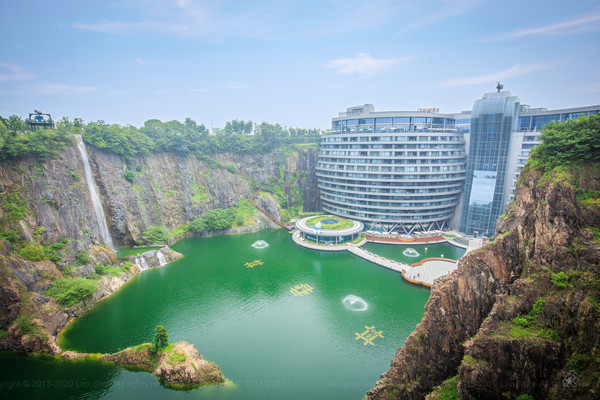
294,62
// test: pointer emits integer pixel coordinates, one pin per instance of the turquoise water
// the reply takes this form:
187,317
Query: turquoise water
270,343
397,252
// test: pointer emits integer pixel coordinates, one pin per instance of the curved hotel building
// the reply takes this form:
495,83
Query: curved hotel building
408,171
399,171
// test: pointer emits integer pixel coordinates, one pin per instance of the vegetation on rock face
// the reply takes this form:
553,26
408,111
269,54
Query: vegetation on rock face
215,220
524,310
156,234
69,291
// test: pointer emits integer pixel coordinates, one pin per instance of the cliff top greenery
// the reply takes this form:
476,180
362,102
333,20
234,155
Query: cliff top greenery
189,137
575,141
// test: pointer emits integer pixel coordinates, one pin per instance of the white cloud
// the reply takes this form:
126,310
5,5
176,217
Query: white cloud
58,89
13,73
140,60
234,85
200,90
516,70
447,9
364,63
586,23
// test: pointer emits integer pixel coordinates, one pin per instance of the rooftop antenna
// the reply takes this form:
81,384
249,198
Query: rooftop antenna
499,86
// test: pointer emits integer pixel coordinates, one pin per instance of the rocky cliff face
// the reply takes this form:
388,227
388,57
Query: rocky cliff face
520,316
44,202
172,190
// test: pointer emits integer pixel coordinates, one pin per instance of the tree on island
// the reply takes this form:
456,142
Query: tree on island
161,339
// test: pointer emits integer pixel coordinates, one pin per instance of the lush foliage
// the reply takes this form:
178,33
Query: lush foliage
215,220
17,142
82,258
161,339
156,234
33,252
560,280
572,141
237,137
102,269
448,390
70,291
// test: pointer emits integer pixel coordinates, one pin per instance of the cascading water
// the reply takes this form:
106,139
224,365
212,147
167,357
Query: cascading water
161,258
140,262
98,210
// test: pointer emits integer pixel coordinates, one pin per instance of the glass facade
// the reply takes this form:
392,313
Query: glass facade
493,119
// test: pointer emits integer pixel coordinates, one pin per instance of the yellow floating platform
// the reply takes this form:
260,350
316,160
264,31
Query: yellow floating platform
369,335
253,263
301,290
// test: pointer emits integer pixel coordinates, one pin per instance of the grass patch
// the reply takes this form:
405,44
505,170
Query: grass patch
341,224
470,360
448,390
102,269
176,357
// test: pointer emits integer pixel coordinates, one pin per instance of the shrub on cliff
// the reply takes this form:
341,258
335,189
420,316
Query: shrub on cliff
156,234
569,142
69,291
214,220
33,252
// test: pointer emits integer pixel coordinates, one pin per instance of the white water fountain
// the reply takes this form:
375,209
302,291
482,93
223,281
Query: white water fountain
98,209
260,244
410,252
355,303
161,258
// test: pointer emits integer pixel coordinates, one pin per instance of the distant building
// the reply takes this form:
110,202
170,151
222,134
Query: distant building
408,171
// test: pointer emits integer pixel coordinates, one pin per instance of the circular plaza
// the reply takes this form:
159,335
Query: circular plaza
328,229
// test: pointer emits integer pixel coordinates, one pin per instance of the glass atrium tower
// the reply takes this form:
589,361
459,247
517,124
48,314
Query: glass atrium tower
493,119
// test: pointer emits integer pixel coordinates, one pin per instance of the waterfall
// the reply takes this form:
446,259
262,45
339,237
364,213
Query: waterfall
161,258
98,210
141,263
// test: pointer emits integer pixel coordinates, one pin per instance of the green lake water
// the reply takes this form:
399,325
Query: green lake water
268,342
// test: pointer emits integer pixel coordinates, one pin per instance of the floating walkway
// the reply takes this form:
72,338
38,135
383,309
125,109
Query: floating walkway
253,263
379,260
301,289
369,335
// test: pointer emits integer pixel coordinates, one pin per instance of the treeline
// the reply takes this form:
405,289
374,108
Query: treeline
189,137
16,142
571,142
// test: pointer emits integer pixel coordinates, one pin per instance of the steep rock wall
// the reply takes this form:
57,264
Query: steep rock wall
499,322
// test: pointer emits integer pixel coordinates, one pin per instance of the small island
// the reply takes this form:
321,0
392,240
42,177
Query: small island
178,365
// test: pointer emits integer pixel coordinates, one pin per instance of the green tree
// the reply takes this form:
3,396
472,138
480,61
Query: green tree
156,234
161,339
572,141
